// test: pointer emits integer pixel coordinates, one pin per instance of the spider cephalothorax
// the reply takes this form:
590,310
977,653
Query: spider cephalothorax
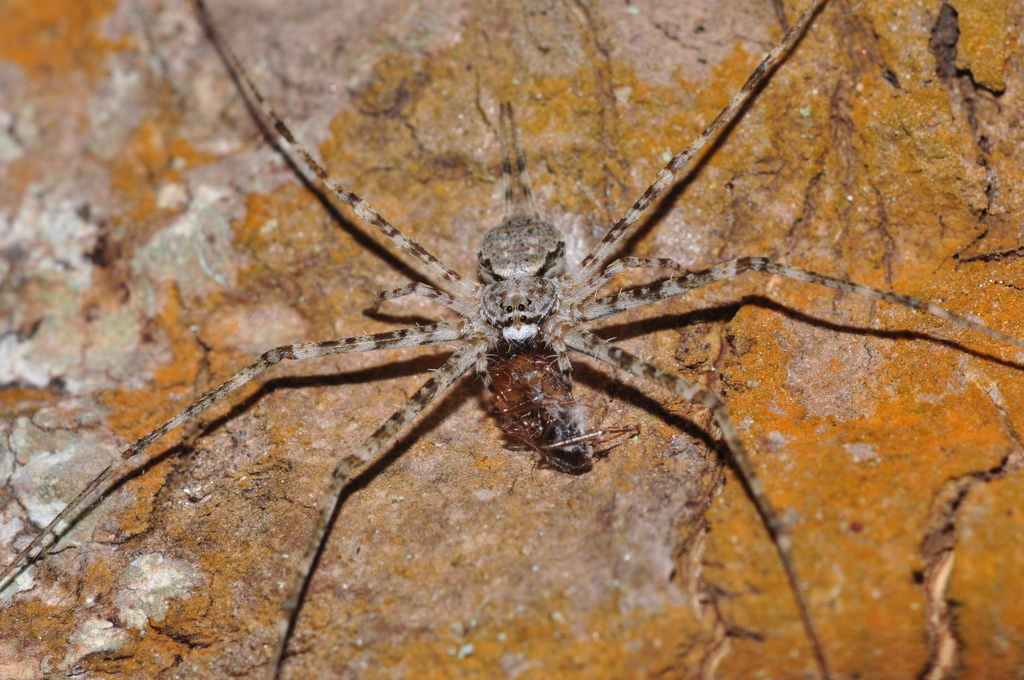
518,307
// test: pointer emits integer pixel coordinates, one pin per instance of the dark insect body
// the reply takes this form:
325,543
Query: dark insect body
536,407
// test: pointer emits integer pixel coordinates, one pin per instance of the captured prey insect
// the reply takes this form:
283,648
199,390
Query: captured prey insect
529,310
536,408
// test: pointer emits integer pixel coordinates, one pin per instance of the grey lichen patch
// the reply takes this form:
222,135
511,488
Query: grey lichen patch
116,109
53,235
862,453
24,581
194,252
47,264
114,335
95,636
53,456
149,582
812,372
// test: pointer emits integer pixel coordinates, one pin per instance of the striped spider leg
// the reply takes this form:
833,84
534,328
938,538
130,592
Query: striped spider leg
412,337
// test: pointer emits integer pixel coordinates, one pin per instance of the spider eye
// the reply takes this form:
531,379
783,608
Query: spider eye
523,318
522,308
508,309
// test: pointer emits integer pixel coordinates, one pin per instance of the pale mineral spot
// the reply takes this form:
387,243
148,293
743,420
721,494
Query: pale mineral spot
50,466
94,636
862,453
150,581
200,236
172,196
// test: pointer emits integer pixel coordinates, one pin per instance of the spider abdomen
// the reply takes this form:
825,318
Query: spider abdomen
521,246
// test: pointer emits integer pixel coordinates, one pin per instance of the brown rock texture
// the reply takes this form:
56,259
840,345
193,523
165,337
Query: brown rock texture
152,243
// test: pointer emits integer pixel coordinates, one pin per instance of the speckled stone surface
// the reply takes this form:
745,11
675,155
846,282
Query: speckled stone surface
152,243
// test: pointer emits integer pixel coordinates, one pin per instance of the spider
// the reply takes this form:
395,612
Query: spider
460,650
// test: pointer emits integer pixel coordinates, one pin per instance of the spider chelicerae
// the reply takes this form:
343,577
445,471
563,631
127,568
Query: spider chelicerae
505,331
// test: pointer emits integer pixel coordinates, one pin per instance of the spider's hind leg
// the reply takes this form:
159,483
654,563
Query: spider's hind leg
588,343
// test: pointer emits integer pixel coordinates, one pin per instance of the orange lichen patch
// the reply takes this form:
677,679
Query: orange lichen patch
182,344
989,553
983,46
284,230
912,147
147,162
133,413
48,39
305,266
859,519
154,154
630,646
15,401
185,156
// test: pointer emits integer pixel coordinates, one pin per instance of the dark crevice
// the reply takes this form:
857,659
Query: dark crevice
190,642
999,256
938,549
943,43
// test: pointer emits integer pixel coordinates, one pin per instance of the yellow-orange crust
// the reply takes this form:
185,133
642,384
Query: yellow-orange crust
460,559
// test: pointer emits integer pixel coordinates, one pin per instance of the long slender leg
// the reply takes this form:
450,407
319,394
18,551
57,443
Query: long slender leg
588,343
423,290
360,206
620,302
597,257
617,267
518,200
407,337
599,437
461,361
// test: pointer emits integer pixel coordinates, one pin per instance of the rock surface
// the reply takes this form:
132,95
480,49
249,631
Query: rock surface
153,243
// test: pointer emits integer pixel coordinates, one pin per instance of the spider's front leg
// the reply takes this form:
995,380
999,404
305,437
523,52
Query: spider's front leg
410,337
638,297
